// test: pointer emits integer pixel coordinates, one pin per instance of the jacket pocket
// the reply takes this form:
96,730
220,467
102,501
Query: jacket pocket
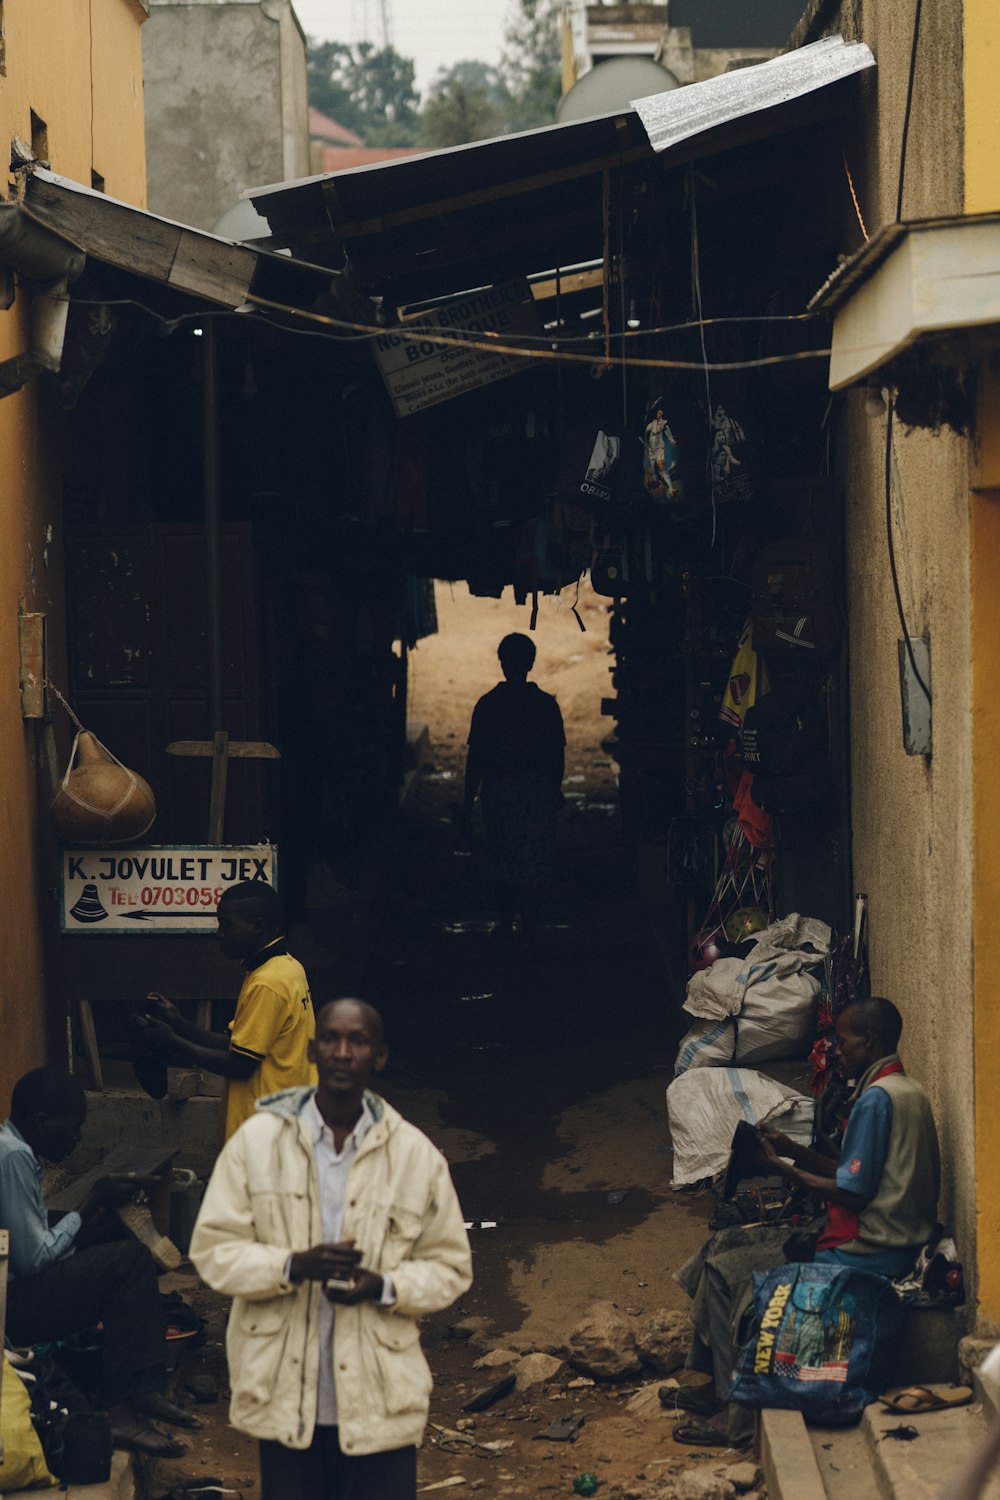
402,1230
255,1344
404,1374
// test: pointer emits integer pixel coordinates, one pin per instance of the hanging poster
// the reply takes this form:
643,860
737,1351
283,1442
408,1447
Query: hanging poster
157,888
419,371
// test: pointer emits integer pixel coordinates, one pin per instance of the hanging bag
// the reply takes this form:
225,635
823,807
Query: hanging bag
100,801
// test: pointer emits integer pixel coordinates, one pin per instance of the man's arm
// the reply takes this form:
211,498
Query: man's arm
439,1267
33,1245
826,1185
162,1009
818,1162
217,1058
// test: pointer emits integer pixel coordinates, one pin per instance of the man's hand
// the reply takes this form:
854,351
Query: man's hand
160,1034
326,1263
770,1136
159,1008
108,1192
367,1288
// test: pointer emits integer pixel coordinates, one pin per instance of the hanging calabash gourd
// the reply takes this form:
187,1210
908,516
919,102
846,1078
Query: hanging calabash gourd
100,801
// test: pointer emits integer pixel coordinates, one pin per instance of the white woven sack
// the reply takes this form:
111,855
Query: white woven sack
775,1021
706,1104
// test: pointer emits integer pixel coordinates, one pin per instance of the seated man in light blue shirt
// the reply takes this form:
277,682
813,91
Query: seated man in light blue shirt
62,1283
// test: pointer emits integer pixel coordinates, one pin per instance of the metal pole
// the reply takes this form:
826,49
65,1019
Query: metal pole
213,562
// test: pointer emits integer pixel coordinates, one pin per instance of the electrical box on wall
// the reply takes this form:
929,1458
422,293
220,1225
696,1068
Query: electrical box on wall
31,635
916,694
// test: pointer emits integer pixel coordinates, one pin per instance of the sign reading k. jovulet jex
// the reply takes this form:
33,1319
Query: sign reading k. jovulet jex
158,888
419,371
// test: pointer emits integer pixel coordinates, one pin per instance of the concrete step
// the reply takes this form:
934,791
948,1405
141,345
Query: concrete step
121,1485
863,1462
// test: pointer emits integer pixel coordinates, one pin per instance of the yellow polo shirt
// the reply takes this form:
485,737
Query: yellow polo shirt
273,1024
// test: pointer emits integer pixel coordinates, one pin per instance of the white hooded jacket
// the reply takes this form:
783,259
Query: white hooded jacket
262,1204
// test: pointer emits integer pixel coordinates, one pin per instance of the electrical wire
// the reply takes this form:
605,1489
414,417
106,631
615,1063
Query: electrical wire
551,339
906,112
365,332
891,407
892,551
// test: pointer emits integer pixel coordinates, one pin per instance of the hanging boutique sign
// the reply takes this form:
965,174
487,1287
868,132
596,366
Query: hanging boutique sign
158,888
419,371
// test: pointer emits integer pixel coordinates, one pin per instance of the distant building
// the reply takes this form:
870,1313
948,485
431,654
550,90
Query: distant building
690,40
226,103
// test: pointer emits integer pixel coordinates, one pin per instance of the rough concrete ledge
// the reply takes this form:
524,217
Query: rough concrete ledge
920,1469
121,1485
787,1457
114,1119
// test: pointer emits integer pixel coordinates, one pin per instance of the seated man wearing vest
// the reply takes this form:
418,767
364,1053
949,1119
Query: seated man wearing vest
882,1195
881,1198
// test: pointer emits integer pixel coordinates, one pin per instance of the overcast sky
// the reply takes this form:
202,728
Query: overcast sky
435,33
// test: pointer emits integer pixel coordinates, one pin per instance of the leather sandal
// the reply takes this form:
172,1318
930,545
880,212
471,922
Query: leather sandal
137,1436
160,1408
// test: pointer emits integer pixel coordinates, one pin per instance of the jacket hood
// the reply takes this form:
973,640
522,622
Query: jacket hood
289,1103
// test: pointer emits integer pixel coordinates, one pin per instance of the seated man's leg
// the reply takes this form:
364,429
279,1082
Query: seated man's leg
111,1284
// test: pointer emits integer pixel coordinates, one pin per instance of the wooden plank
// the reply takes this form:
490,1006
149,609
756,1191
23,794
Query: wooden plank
88,1031
574,281
139,242
238,749
217,802
208,268
144,1161
359,228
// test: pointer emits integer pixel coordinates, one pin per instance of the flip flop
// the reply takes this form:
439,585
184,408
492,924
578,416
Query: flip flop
916,1399
700,1433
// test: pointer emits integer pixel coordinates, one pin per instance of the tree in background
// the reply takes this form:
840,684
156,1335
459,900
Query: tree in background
467,102
366,89
532,64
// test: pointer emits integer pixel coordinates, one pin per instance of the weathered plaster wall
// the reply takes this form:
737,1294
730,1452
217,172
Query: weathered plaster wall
225,104
912,818
93,123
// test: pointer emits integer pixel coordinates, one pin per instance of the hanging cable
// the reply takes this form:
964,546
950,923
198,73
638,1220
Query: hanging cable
892,550
696,284
906,112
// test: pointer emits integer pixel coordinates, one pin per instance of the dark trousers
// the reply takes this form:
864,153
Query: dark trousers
111,1284
323,1472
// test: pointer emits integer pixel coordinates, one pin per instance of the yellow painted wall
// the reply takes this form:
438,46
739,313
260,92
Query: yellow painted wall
94,122
981,59
982,193
911,817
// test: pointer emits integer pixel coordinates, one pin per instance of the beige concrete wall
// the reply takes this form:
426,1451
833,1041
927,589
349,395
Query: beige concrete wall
912,818
93,123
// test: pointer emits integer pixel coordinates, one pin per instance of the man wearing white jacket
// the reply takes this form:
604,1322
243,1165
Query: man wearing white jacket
333,1224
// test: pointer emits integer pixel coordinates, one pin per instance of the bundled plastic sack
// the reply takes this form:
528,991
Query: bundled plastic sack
705,1106
759,1008
24,1466
817,1343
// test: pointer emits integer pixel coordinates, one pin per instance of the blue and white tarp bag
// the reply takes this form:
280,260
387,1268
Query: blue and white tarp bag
817,1343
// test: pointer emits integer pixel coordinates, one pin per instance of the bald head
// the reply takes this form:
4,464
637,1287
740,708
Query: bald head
372,1021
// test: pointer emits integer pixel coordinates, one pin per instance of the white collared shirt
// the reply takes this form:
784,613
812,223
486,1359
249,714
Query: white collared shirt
332,1170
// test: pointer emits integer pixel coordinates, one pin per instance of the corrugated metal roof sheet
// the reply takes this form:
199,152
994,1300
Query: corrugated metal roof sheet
677,116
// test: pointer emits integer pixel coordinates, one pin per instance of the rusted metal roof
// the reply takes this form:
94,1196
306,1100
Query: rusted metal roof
483,213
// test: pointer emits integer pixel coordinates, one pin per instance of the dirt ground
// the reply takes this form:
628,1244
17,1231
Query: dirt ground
542,1081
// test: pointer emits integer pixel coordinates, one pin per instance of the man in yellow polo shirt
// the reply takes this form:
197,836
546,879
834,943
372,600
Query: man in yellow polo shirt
266,1047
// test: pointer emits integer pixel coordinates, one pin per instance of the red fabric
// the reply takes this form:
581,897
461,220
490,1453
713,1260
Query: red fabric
842,1223
755,822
